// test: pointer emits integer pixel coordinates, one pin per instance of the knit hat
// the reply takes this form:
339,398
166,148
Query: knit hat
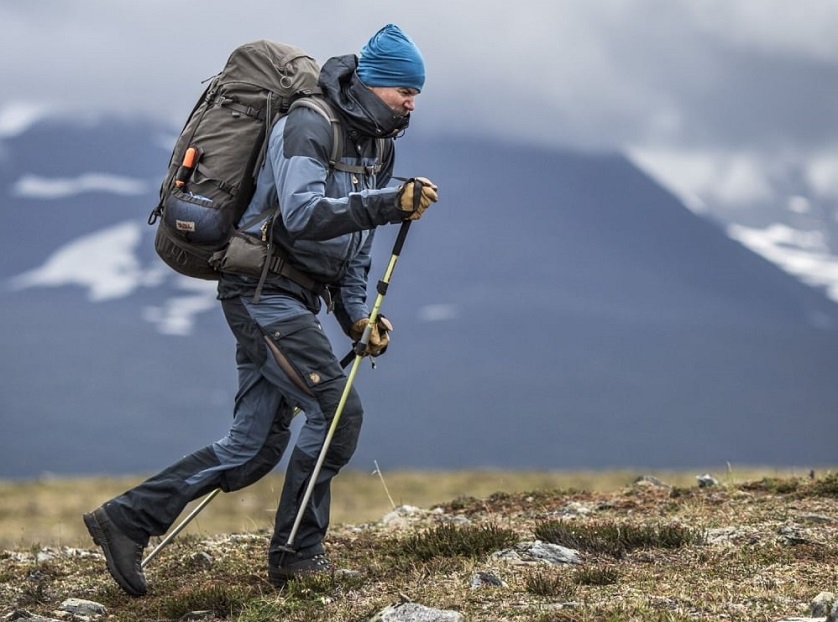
390,58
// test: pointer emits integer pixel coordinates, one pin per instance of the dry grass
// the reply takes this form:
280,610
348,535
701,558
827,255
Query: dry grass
751,548
48,511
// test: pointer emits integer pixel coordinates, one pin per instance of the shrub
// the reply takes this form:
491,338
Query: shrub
615,539
457,541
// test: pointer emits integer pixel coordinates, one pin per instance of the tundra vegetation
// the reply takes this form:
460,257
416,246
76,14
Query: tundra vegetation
751,545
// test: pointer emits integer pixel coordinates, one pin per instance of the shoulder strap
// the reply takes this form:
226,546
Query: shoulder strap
324,108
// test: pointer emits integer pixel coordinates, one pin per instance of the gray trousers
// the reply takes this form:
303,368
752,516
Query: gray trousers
284,360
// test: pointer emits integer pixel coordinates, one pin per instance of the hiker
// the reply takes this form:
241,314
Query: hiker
324,235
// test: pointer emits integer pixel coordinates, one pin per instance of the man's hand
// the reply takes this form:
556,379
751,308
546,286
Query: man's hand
415,195
379,335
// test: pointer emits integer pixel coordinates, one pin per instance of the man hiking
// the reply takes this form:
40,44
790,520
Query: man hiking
323,234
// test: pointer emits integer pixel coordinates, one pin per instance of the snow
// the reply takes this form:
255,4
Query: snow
743,182
106,264
438,312
177,315
801,253
36,187
17,117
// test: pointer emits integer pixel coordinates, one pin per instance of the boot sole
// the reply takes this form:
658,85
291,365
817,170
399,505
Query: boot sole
100,538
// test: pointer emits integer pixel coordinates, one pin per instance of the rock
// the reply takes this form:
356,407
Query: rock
794,534
651,480
821,604
539,551
480,579
706,481
78,606
818,519
403,515
23,615
732,535
573,509
414,612
201,559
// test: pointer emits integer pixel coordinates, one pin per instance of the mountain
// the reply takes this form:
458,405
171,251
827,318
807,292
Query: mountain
554,310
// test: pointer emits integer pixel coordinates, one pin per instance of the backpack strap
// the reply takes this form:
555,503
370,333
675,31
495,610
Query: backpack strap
325,109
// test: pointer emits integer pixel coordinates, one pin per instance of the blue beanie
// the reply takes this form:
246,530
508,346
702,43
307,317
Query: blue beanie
390,58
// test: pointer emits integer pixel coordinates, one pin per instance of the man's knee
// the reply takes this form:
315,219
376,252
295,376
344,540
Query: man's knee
347,431
251,471
248,463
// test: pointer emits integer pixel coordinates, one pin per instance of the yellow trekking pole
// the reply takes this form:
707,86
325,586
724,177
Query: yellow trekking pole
360,350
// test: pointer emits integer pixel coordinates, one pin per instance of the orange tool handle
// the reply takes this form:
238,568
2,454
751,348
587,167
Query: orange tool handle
190,159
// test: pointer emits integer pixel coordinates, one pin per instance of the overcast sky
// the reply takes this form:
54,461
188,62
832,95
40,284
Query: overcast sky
750,81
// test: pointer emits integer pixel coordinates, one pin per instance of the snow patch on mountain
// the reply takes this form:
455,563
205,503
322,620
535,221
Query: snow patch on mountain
37,187
733,187
438,312
176,316
104,262
17,117
801,253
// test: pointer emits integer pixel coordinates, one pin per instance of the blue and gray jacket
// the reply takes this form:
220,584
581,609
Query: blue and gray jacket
326,217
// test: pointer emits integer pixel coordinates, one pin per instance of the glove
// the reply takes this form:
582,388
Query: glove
379,335
412,204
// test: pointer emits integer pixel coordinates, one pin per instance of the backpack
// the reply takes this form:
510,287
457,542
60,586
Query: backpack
212,171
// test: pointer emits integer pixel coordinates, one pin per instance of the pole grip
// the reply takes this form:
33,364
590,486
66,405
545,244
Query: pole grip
400,238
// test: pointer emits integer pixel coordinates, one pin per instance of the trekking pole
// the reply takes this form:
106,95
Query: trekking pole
358,352
209,497
360,349
180,527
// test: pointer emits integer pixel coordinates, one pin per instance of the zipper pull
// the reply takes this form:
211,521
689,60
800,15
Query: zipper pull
264,230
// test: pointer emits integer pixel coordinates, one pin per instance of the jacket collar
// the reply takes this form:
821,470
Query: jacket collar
362,109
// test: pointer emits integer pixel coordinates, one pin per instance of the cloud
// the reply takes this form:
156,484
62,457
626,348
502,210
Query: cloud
697,177
597,75
822,173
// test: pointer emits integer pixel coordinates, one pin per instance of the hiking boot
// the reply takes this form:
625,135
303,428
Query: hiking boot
279,575
122,554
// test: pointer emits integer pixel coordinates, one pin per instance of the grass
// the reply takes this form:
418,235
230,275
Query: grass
47,511
616,538
659,553
456,541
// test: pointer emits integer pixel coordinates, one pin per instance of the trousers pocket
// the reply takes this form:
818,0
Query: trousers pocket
303,350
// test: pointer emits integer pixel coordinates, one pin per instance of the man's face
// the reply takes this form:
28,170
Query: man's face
399,98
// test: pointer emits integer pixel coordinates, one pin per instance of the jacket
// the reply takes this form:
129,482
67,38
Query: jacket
327,217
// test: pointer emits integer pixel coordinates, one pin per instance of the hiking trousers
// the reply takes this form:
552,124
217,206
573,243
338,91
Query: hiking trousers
284,360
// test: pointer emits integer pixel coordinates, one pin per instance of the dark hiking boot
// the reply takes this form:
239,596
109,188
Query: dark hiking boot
122,554
279,575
